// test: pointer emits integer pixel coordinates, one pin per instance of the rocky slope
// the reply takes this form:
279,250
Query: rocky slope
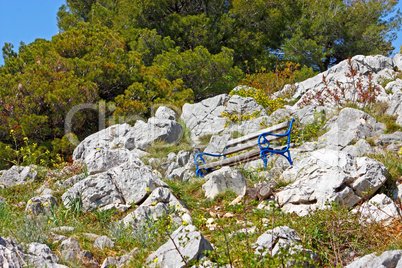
335,168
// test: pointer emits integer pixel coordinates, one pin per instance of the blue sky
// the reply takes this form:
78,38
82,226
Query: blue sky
26,20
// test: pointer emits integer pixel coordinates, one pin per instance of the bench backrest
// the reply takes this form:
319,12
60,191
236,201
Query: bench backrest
251,140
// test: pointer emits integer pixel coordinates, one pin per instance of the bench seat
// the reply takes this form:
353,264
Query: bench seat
260,140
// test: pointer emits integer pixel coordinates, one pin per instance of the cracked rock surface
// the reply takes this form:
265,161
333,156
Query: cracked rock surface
329,175
188,242
130,182
377,65
36,255
206,118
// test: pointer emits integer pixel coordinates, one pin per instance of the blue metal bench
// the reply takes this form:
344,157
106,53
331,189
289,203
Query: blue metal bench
262,139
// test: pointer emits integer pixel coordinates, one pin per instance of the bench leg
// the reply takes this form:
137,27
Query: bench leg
264,157
288,158
202,172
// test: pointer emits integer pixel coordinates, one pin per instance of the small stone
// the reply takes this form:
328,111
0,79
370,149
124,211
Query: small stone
103,242
91,237
70,249
229,215
59,238
63,229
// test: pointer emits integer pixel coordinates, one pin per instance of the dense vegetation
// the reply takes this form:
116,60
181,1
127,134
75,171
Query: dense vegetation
129,55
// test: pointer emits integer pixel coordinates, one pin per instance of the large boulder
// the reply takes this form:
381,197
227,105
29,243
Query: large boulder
329,175
110,138
379,208
164,112
37,255
388,259
103,159
131,182
394,86
17,175
360,148
188,243
223,179
395,107
376,65
283,238
205,117
159,202
387,139
144,134
273,240
242,105
350,125
124,136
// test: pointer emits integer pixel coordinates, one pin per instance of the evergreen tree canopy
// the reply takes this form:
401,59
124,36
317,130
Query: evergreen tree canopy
132,54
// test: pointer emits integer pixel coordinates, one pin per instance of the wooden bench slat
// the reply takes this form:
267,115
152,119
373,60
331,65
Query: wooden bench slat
233,160
248,145
248,160
256,134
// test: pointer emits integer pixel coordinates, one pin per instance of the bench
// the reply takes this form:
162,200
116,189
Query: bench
261,139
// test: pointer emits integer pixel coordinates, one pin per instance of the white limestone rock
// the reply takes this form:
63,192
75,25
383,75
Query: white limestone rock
350,125
190,243
159,202
360,148
35,254
273,240
164,112
42,204
329,175
222,179
379,208
377,65
130,182
388,259
17,175
395,107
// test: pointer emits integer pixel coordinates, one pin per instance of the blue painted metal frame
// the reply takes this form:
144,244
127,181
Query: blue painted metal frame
265,151
198,159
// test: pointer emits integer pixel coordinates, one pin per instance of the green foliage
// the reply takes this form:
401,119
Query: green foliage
392,160
31,229
238,118
132,54
263,83
74,204
153,88
205,139
327,32
308,132
6,216
261,97
206,74
378,111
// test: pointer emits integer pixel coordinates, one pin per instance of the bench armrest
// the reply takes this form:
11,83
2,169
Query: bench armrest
263,142
199,160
